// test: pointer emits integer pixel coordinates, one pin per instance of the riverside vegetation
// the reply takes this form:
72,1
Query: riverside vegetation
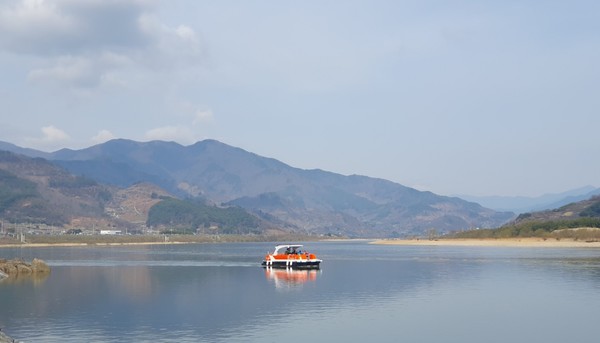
579,229
576,221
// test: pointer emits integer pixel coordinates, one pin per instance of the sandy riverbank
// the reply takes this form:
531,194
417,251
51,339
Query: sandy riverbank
508,242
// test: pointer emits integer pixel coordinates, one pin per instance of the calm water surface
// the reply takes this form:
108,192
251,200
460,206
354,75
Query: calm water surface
219,293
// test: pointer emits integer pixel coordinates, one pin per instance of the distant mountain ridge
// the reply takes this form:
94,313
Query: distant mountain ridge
306,201
39,197
5,146
578,221
588,208
520,204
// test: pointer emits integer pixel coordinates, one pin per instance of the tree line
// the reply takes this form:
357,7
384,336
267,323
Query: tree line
187,216
544,229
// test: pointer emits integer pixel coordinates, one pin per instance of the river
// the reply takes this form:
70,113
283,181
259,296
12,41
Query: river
363,292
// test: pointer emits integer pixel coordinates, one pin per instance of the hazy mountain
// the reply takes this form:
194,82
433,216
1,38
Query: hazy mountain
588,208
579,221
5,146
521,204
313,201
570,199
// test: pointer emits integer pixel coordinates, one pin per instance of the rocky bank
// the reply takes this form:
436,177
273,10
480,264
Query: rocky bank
17,267
5,339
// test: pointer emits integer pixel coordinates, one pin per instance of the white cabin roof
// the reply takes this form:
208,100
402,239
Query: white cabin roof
285,246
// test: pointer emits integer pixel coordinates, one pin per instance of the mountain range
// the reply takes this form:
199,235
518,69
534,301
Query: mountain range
521,204
293,199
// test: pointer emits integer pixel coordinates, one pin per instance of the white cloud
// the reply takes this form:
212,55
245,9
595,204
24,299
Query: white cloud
74,71
25,26
178,134
79,71
103,136
81,43
52,138
202,116
192,119
172,48
53,134
68,26
197,113
186,33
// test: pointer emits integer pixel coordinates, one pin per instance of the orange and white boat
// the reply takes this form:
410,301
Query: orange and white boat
291,256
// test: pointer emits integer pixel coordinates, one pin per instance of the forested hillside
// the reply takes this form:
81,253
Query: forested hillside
186,216
305,201
34,193
579,220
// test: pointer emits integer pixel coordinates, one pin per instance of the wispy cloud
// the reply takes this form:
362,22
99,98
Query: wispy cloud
103,136
202,116
54,134
191,120
52,138
180,134
67,27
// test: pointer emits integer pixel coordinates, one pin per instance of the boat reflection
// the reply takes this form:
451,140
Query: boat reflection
291,278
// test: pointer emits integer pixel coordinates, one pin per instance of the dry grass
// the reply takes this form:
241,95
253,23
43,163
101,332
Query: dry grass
587,234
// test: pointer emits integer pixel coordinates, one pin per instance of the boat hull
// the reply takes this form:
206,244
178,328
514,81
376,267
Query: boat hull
291,256
292,264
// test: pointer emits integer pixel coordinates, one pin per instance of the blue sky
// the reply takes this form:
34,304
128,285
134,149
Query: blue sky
461,97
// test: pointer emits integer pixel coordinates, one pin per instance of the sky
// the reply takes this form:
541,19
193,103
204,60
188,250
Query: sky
454,97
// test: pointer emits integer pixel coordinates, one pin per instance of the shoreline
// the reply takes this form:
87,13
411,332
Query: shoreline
45,245
529,242
141,240
499,242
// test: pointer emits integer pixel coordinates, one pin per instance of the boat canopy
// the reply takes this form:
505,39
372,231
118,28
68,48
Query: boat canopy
287,249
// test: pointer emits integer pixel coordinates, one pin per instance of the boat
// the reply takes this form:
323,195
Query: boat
291,256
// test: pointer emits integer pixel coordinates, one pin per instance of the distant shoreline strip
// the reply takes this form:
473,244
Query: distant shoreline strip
43,245
506,242
509,242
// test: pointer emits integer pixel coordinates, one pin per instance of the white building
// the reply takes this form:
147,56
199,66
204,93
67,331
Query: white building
110,232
